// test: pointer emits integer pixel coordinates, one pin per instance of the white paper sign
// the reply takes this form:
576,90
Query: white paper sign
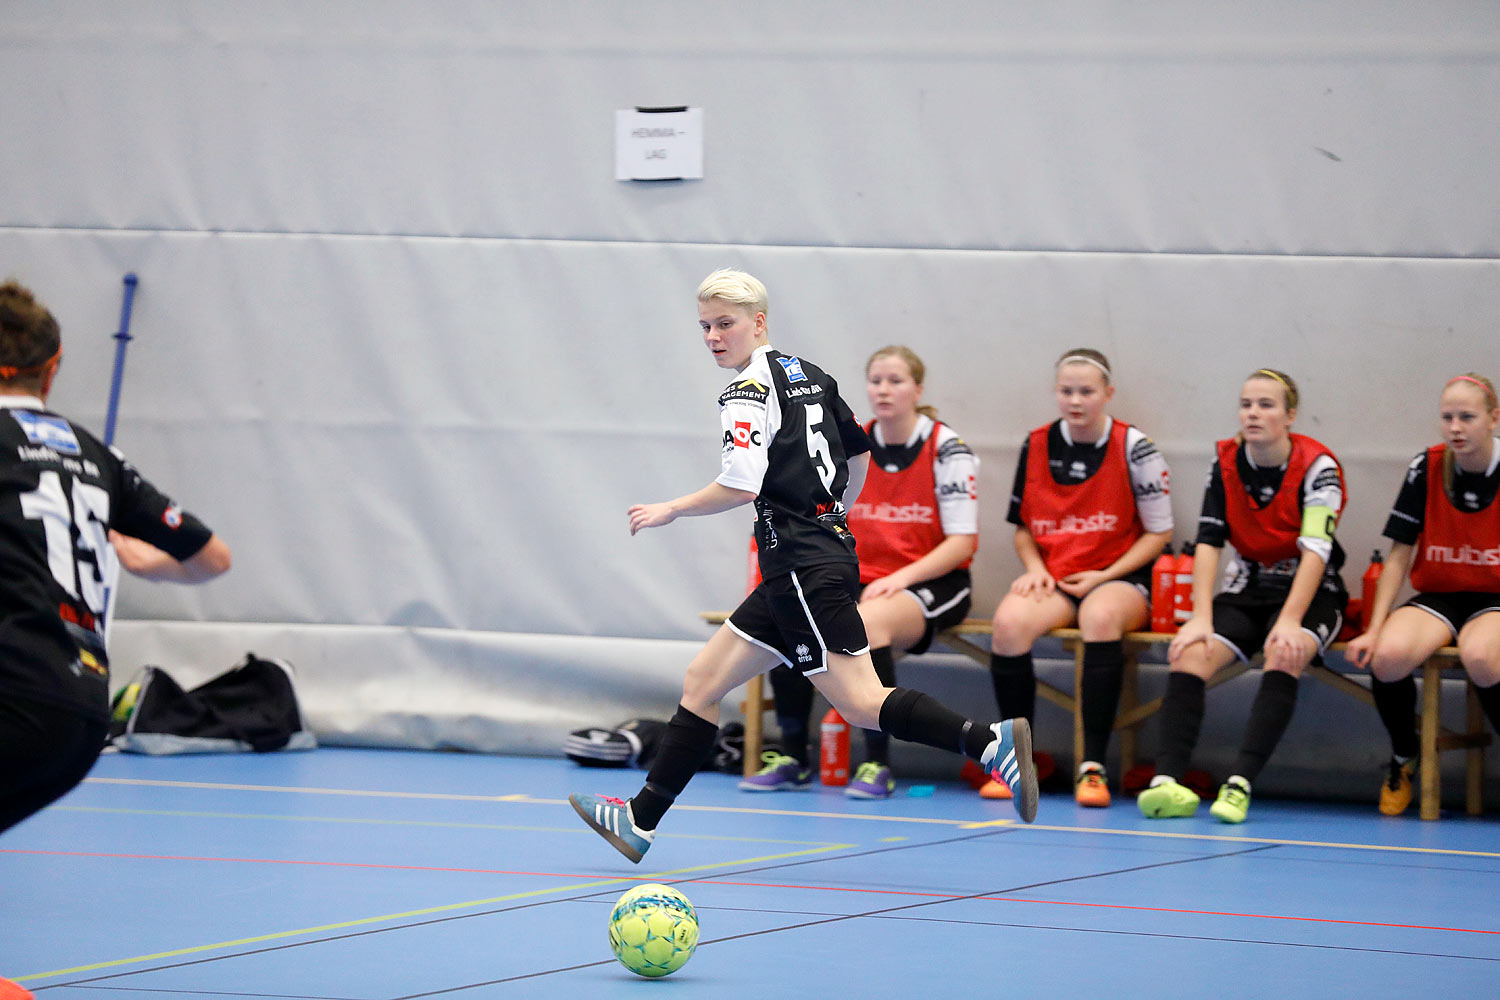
659,145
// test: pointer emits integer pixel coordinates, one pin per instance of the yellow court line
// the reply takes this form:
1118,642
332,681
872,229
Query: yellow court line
428,911
857,817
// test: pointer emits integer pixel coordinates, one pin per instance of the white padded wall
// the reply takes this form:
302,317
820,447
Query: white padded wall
405,342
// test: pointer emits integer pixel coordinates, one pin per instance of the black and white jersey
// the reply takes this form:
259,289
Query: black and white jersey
788,438
1472,491
61,491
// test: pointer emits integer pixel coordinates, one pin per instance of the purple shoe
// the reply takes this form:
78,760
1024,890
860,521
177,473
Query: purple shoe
872,781
780,774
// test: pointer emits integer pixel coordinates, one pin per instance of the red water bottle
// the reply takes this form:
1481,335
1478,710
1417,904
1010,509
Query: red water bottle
1182,586
833,759
1163,572
1367,585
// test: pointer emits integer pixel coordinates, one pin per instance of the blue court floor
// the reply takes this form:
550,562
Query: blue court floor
373,875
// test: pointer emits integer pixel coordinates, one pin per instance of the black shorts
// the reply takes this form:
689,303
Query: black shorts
945,601
1458,608
1140,580
804,615
44,751
1242,621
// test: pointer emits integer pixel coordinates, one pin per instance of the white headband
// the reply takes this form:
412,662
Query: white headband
1085,359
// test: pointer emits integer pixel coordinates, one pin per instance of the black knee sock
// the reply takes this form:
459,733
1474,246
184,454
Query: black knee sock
1269,715
1181,719
878,744
689,739
912,715
1014,678
1103,675
1396,701
1489,700
794,701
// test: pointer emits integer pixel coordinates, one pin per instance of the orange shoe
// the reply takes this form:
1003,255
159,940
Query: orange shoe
12,991
995,790
1092,788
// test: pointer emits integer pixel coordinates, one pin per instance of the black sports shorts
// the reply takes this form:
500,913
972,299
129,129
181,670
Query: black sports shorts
1242,621
804,615
1458,608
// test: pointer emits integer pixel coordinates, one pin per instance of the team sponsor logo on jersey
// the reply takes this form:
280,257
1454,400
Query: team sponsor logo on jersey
748,391
804,655
912,513
1463,555
1415,468
48,432
1144,449
172,516
951,447
804,390
1328,479
1161,487
1078,470
743,436
793,369
966,488
1072,525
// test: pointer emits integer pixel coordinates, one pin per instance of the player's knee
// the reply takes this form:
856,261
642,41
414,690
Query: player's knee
1482,661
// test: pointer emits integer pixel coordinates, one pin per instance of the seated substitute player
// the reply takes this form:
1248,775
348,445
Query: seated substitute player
788,442
1276,497
1092,510
917,526
64,498
1446,528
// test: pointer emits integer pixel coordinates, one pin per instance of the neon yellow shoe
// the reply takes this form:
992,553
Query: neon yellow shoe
1233,801
1168,800
1395,791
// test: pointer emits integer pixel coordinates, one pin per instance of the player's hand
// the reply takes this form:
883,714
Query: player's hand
1038,585
1195,630
1287,647
1361,649
1079,584
883,587
138,557
650,515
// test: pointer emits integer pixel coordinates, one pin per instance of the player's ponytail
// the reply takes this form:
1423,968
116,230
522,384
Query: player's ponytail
913,364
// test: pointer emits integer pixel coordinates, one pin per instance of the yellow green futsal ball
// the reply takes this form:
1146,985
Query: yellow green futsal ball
653,930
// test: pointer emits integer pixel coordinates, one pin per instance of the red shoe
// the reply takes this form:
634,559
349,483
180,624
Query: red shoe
11,991
995,789
1092,788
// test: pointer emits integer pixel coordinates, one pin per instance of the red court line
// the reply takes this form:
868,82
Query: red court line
768,885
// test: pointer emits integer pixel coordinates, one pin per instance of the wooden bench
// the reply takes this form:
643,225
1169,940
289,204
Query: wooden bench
1133,713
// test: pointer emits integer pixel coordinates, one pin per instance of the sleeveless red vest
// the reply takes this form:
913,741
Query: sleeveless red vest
896,521
1457,550
1080,526
1269,534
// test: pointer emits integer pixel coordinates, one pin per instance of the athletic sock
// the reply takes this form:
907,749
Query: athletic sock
1103,676
878,744
1014,678
1396,701
1269,715
794,701
688,741
1181,719
920,718
1489,700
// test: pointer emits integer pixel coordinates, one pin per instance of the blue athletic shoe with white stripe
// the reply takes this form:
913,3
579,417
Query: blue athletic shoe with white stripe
610,817
1008,759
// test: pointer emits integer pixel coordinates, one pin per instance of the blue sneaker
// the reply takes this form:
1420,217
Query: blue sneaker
611,819
780,774
872,781
1008,759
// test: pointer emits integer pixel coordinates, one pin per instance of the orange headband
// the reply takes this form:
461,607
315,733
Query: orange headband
8,372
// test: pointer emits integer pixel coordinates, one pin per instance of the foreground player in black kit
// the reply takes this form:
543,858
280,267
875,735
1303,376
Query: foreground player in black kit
792,446
68,505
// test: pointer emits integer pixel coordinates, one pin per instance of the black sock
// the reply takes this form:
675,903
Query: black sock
1181,719
1269,715
1103,675
794,701
1489,700
1396,701
919,718
689,739
1014,678
878,744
